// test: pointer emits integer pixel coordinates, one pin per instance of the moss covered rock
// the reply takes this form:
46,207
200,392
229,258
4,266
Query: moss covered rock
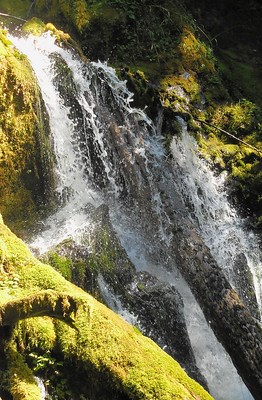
25,160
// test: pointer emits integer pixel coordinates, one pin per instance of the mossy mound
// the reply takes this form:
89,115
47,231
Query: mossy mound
25,169
112,356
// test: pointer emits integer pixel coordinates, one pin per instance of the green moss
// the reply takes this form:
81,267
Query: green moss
178,90
239,118
22,384
60,35
242,163
34,26
61,264
77,12
196,55
103,253
23,147
42,335
103,347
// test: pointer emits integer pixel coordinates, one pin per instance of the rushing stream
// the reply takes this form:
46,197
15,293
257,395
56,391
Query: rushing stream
108,152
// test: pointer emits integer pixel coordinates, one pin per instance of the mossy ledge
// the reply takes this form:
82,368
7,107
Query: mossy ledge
25,156
102,347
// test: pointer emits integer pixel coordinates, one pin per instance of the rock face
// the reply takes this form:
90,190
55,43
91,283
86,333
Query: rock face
245,284
144,182
159,310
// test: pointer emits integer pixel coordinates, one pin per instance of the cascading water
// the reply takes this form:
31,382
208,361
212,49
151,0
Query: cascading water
41,387
108,152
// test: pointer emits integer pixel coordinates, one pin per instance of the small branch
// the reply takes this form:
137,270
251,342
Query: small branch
230,134
12,16
45,303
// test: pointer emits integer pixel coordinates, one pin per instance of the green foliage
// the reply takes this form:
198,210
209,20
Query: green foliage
239,66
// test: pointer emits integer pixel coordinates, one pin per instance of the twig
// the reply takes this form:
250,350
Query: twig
13,16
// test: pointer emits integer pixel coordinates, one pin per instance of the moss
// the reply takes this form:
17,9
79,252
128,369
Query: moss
103,253
77,12
22,384
177,91
60,35
241,162
42,335
61,264
239,118
23,135
196,55
102,345
34,26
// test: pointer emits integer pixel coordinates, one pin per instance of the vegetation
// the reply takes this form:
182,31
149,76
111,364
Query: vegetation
168,61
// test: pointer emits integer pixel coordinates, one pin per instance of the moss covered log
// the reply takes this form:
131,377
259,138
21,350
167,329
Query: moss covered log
100,346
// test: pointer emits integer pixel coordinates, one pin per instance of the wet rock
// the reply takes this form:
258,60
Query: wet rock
159,310
245,284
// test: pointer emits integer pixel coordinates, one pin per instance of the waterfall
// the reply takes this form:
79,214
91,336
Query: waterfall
42,388
106,151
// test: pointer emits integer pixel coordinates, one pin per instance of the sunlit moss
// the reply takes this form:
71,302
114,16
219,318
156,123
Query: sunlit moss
34,26
23,139
242,163
195,55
